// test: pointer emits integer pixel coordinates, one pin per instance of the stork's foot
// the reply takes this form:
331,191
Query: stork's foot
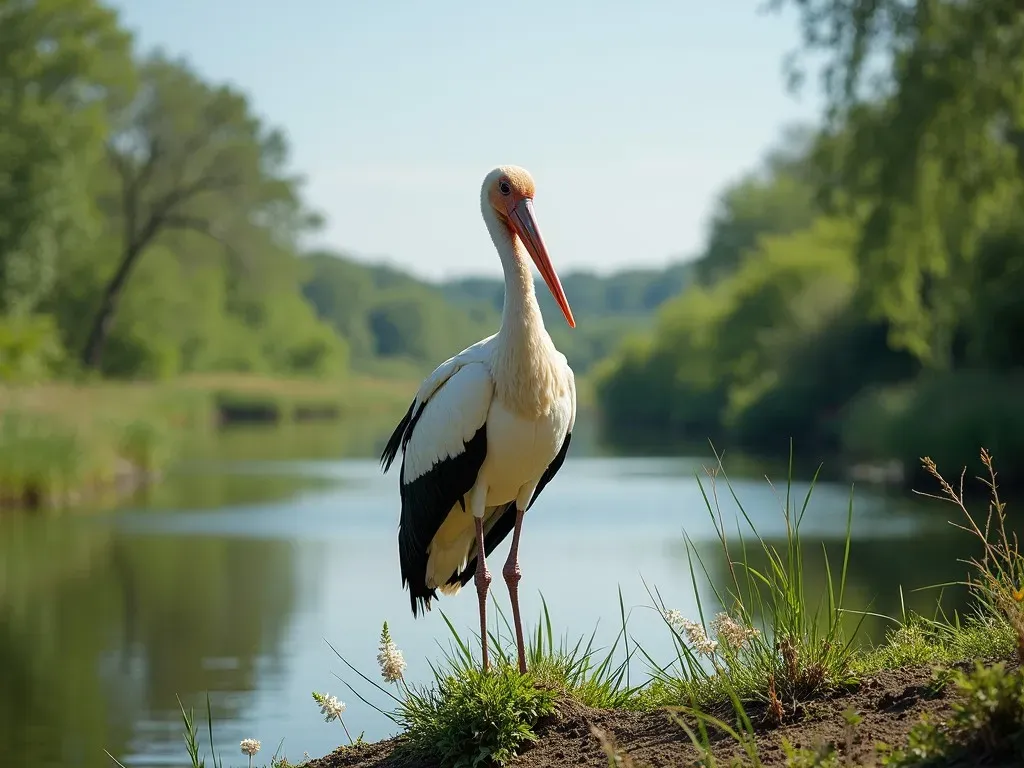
483,581
513,574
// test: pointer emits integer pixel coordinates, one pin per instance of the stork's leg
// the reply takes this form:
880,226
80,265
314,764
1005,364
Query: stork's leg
512,575
483,581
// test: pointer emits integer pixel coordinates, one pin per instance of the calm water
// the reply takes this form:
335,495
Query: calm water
228,578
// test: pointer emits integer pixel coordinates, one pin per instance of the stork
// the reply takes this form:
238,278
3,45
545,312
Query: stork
488,429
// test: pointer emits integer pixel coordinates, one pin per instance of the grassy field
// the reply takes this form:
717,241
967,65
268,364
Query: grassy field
61,442
771,680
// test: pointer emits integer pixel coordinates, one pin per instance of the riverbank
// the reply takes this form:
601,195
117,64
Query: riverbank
63,444
772,680
847,728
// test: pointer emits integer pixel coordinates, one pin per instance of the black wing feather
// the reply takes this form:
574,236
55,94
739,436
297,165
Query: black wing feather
426,502
400,437
506,519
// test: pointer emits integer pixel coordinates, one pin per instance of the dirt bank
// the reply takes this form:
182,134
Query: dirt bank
888,704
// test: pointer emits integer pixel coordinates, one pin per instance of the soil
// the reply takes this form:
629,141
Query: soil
888,704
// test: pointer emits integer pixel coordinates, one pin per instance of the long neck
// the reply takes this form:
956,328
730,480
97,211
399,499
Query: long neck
525,379
520,316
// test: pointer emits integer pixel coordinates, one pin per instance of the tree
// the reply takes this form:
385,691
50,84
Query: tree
58,60
792,287
934,144
190,157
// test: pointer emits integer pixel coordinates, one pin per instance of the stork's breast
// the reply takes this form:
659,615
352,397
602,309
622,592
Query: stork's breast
520,448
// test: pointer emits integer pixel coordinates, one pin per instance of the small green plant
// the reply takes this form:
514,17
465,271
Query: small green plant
467,717
824,756
248,747
940,640
799,651
987,722
474,718
940,679
191,734
192,743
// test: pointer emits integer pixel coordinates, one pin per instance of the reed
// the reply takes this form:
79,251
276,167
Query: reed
64,443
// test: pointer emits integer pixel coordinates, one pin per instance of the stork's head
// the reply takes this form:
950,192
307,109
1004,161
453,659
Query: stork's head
509,191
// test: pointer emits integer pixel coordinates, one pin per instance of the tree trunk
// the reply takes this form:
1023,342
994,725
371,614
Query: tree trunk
92,356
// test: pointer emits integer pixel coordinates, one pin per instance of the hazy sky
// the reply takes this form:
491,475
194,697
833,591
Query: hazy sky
631,116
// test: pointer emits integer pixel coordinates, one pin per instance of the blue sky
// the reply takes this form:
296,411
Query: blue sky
631,116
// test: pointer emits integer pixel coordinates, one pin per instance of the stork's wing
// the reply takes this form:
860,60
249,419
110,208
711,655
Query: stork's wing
443,438
403,432
503,521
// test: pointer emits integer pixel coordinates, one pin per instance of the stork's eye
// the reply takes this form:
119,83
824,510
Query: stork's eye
504,187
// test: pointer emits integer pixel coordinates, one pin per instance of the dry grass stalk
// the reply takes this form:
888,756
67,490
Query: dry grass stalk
616,757
1000,569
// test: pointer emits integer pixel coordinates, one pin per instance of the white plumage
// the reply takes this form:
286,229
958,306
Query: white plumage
488,428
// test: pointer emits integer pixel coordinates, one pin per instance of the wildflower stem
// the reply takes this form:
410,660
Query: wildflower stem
347,734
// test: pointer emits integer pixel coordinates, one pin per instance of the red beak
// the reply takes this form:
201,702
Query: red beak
525,225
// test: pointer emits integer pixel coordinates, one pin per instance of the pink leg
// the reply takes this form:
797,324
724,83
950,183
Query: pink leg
512,576
483,581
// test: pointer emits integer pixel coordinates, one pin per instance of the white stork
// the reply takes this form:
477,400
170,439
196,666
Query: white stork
489,428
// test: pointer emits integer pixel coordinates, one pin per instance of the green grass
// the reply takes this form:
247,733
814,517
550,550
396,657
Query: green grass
470,717
466,717
61,443
772,646
763,660
919,640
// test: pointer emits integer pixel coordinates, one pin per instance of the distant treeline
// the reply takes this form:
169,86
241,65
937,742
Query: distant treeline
387,314
862,292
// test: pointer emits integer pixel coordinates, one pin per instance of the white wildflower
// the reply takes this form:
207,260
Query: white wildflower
731,632
250,746
695,633
699,639
675,618
331,708
390,659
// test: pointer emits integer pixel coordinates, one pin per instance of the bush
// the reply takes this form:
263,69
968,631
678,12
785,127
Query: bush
30,348
475,718
987,723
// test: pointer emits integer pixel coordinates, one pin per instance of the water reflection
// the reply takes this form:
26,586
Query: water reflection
106,628
228,577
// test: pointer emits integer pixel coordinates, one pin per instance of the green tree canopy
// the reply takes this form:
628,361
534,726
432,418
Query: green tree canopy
931,154
58,61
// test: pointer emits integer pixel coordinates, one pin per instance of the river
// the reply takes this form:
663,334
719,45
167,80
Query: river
230,576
